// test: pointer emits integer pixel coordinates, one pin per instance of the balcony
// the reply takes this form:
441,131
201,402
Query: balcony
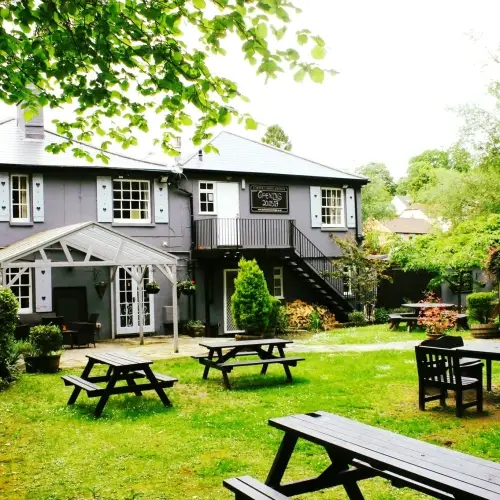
214,234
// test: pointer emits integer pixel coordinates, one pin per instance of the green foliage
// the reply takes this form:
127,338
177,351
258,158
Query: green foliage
251,303
194,323
378,171
279,320
119,61
357,318
377,241
315,321
8,321
356,266
381,315
480,306
376,196
275,136
152,286
46,339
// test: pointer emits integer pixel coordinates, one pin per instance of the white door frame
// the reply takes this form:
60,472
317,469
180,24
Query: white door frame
227,224
226,305
127,330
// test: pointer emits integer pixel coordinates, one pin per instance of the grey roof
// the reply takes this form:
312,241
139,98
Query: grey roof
102,242
15,149
402,225
243,155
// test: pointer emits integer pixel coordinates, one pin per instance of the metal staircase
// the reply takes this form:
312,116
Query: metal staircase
310,264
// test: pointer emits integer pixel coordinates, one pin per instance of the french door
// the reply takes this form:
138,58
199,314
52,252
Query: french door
228,213
127,306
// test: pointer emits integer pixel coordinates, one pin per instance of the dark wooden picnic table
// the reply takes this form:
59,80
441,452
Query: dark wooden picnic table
121,367
487,351
220,354
358,451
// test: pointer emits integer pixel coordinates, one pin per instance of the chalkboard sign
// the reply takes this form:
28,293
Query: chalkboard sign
269,199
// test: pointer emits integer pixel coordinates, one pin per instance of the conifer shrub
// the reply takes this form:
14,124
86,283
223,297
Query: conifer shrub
8,321
251,304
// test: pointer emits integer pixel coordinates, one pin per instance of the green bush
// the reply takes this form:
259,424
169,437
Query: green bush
480,306
8,321
315,322
279,320
46,339
357,318
251,303
381,315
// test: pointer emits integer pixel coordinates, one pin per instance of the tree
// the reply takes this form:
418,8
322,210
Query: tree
359,269
378,171
118,60
451,254
251,304
376,201
275,136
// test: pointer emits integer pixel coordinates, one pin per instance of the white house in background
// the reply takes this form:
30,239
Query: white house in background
408,227
400,203
415,211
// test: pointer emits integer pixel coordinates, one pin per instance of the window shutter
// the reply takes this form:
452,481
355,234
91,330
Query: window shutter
104,199
315,206
161,202
350,203
43,289
37,190
4,197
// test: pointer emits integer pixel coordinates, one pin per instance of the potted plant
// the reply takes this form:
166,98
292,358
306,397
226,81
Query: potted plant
480,307
195,327
436,320
187,287
100,288
42,352
152,287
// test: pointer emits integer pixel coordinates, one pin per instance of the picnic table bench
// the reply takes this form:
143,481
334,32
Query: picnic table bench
409,318
220,354
121,367
359,451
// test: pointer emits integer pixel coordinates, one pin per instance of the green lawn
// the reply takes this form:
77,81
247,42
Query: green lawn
373,334
139,449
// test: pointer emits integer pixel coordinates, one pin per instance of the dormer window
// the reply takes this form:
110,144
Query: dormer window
19,198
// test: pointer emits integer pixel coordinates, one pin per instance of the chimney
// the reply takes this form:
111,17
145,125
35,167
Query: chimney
31,129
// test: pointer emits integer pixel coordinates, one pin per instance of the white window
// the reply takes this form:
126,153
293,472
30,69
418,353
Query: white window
332,207
19,198
278,282
131,201
21,288
207,197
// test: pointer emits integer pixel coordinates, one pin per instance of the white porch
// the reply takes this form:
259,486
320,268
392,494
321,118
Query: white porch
90,245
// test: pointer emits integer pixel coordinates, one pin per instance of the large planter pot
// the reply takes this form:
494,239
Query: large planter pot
42,364
485,331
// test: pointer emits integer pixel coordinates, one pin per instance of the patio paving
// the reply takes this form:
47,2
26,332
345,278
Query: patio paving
161,347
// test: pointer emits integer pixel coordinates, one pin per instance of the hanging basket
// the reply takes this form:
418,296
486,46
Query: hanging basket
152,287
188,291
100,288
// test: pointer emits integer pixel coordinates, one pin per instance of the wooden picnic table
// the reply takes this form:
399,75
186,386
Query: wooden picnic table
121,367
488,352
358,451
428,305
220,354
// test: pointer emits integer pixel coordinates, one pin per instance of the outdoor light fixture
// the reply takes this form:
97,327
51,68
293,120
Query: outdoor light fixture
164,179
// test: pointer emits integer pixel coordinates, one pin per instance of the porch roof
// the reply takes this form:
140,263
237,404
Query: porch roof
101,246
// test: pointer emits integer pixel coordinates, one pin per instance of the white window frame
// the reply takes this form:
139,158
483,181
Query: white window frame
207,191
342,207
10,272
28,198
278,274
150,205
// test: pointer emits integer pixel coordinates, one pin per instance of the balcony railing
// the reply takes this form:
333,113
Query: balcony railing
212,234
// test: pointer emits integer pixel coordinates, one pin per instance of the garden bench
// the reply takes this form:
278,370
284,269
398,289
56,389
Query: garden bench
359,451
248,488
220,354
410,320
121,367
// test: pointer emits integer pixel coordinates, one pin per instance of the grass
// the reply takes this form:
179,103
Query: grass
373,334
139,449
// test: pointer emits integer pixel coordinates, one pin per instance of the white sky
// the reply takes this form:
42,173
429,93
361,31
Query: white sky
402,65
